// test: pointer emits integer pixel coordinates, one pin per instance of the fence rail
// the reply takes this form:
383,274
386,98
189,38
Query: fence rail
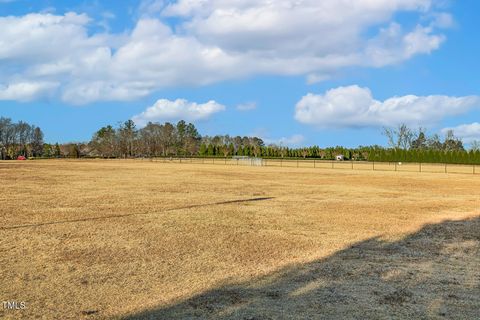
329,164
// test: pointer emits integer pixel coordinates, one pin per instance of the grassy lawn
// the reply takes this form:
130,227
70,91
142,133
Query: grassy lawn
136,239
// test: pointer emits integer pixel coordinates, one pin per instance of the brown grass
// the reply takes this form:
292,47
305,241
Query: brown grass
116,239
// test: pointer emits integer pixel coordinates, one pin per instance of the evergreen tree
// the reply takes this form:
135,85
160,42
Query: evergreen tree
348,155
47,150
470,157
58,153
104,141
181,137
210,150
477,157
246,151
420,142
203,151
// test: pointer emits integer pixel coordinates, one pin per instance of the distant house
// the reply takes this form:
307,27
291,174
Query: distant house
21,158
340,157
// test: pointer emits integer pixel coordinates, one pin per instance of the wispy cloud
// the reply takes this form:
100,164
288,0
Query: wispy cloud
247,106
291,141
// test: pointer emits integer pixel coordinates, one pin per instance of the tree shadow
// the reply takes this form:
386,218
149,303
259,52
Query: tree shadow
431,274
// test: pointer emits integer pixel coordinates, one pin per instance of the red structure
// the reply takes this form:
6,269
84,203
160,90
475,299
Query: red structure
21,158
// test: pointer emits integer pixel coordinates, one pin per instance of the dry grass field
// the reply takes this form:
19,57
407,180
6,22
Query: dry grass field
113,239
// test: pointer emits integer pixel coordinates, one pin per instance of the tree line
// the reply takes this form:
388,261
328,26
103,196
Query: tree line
407,145
183,140
153,140
19,139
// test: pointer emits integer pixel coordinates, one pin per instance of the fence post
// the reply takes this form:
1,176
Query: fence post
445,167
473,169
225,160
373,165
333,166
420,166
352,164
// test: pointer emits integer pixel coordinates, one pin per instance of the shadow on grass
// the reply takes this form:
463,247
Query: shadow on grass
116,216
431,274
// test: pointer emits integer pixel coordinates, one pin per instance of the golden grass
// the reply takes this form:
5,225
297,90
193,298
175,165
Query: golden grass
123,238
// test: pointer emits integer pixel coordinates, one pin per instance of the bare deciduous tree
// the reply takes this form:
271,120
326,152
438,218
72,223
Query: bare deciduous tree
400,137
475,145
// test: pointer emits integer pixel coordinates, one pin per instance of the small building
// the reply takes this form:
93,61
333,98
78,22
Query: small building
21,158
340,157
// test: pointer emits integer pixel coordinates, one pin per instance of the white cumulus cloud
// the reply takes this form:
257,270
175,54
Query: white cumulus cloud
354,106
468,132
211,41
180,109
27,91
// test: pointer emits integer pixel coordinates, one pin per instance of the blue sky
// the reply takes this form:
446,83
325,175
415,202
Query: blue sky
310,72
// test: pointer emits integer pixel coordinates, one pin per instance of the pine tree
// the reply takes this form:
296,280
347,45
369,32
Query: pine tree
382,155
471,157
348,155
409,156
436,156
246,151
47,150
463,157
477,157
210,150
203,150
58,153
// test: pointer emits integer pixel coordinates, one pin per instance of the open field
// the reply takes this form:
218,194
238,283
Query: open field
131,239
